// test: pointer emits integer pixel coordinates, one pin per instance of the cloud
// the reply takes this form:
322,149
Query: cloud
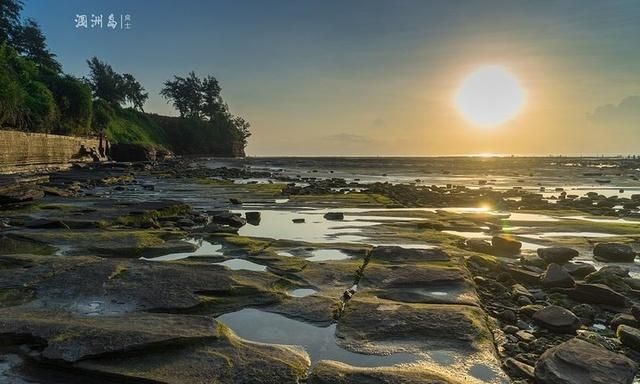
625,114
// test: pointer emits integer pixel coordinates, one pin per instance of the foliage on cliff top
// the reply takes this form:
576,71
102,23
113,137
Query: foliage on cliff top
36,96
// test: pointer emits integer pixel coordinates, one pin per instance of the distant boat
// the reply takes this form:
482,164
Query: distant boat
603,181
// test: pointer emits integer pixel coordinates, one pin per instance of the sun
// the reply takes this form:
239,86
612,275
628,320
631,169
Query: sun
490,96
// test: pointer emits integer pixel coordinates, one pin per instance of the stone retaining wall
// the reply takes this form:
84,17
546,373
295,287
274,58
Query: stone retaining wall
26,152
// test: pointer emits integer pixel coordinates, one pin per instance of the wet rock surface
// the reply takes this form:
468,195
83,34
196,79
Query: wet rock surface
104,279
614,252
558,255
577,361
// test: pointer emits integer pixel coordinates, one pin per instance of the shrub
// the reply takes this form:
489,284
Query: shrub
74,103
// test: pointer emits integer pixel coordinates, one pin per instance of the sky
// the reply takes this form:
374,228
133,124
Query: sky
379,77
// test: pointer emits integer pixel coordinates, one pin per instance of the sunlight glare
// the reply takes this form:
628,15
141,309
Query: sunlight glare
489,96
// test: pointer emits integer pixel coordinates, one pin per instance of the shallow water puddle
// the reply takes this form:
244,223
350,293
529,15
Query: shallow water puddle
406,246
279,224
301,292
603,220
328,254
455,362
240,264
569,234
516,216
319,342
205,248
469,235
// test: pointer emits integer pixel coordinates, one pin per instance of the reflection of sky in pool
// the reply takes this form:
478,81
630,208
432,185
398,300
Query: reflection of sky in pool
319,342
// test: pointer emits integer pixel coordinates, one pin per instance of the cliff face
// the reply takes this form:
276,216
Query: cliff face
26,152
195,137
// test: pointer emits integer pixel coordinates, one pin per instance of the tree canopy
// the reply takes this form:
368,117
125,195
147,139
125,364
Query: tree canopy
201,99
9,20
114,88
36,96
32,44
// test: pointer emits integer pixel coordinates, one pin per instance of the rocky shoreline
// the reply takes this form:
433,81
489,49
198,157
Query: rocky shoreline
101,281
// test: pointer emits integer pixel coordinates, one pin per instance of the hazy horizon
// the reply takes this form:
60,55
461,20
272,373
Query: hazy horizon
378,78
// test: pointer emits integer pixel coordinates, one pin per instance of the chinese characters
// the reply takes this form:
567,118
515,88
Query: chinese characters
93,21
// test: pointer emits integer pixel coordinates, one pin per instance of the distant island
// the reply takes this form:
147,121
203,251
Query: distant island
37,96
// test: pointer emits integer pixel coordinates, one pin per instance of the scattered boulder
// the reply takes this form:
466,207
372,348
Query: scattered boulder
525,336
612,276
533,260
635,311
580,362
557,319
558,255
505,246
597,294
585,312
228,218
518,368
479,245
615,252
624,318
253,218
518,290
556,277
629,336
219,228
579,269
334,216
529,310
522,275
508,316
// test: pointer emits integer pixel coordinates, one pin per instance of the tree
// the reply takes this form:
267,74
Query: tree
134,92
242,128
185,93
9,20
105,83
113,87
75,105
31,43
212,104
202,99
25,101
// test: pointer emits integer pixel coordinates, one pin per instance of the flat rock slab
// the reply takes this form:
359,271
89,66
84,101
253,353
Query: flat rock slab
316,308
329,276
419,283
72,338
227,359
371,325
330,372
96,286
109,243
395,254
580,362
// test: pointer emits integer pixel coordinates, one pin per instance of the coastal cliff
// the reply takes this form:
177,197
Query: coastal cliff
32,152
25,151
